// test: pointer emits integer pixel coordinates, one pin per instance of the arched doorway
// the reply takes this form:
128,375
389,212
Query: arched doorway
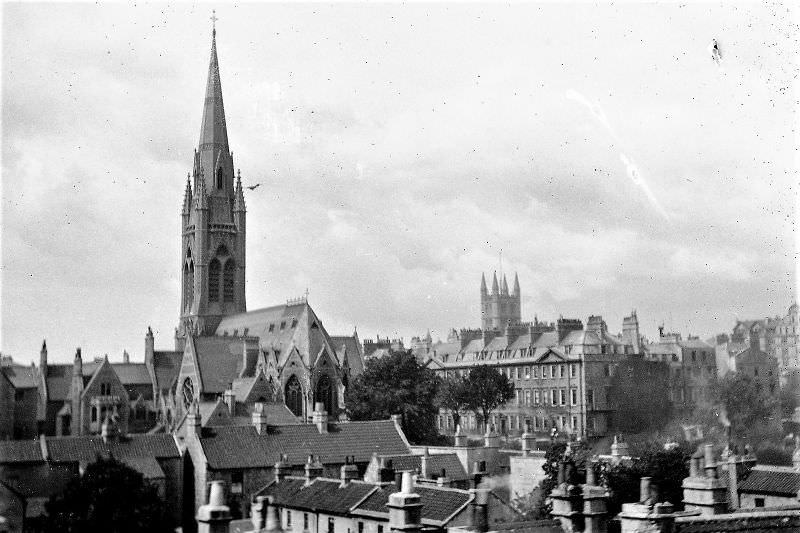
326,393
294,396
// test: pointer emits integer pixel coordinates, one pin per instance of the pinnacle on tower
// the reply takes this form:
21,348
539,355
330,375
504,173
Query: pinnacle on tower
516,285
495,289
505,285
484,290
187,196
238,201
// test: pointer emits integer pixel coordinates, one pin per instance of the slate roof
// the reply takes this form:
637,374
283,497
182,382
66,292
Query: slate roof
755,521
22,377
448,461
147,466
167,365
321,495
438,503
355,355
20,451
775,480
243,447
87,448
132,373
59,377
220,361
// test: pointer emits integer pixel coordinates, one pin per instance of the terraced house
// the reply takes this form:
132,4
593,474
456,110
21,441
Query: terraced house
560,372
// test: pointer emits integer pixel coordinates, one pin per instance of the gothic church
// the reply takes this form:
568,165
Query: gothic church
280,354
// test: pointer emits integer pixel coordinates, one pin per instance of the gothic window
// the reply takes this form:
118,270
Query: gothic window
227,280
220,175
294,396
213,280
188,282
326,393
188,392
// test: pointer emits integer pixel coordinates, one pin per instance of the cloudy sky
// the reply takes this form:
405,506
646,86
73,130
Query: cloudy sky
400,149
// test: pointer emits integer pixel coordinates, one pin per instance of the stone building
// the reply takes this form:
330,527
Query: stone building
692,364
786,347
20,420
500,307
560,372
222,346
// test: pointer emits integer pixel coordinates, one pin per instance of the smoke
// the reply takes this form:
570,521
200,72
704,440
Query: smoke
630,167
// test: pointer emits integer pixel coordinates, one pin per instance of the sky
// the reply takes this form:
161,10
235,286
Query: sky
598,150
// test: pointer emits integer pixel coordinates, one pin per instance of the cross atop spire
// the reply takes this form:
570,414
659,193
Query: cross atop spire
214,20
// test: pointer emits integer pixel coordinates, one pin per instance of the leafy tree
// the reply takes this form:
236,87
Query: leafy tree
109,497
454,396
788,400
744,402
396,384
639,393
488,390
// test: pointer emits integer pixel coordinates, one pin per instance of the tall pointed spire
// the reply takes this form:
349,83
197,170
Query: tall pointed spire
187,196
505,285
495,289
516,284
483,284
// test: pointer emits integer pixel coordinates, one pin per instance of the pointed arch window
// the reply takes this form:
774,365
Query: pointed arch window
188,282
294,396
227,280
220,176
326,393
213,280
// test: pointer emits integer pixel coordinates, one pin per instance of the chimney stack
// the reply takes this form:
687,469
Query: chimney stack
259,418
282,468
459,438
194,423
386,472
215,516
480,509
405,508
443,480
126,358
273,519
490,438
349,471
320,417
424,464
313,469
230,399
258,513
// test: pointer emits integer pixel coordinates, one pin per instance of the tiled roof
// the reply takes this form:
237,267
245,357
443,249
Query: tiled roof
772,480
448,461
20,451
147,466
438,503
59,377
167,366
22,377
321,495
132,373
220,360
355,357
755,521
243,447
87,448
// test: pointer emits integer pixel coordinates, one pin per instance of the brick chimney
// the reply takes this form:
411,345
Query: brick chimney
595,503
424,464
491,439
349,471
443,480
320,417
405,508
648,515
703,491
215,516
313,469
259,418
230,399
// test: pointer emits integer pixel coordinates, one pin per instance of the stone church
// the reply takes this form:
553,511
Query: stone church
280,354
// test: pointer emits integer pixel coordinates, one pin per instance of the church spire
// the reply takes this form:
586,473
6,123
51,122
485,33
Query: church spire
495,289
213,130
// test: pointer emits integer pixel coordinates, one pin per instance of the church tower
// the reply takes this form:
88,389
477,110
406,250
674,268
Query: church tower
500,307
212,222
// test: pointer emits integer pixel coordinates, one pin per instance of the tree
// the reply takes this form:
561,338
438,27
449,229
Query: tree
396,384
746,404
488,390
109,497
454,396
639,394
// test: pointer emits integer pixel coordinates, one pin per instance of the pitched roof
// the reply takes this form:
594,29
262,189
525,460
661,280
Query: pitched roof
243,447
220,361
438,503
321,495
20,451
355,355
87,448
436,463
773,480
132,373
147,466
59,377
755,521
22,377
167,365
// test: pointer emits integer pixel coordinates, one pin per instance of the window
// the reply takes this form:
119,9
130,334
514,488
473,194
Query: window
755,371
590,398
607,370
283,325
759,502
288,519
562,422
694,357
105,389
552,371
271,328
561,372
527,397
575,423
573,371
220,177
227,280
213,280
19,395
94,414
562,396
380,528
518,391
535,422
536,372
573,393
361,527
536,397
553,396
527,372
516,372
330,524
305,521
237,478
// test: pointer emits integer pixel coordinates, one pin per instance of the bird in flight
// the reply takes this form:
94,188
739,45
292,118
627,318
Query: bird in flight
716,53
253,187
